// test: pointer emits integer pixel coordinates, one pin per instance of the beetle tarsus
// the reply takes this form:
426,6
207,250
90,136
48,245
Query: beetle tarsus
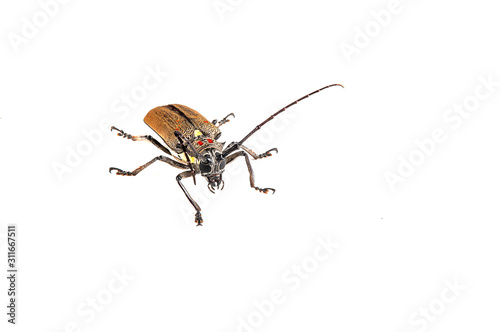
121,132
265,190
120,172
198,219
224,120
114,128
267,153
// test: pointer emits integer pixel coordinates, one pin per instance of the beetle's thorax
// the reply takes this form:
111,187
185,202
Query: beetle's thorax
201,144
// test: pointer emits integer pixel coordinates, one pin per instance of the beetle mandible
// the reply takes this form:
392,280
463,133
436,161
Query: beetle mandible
192,146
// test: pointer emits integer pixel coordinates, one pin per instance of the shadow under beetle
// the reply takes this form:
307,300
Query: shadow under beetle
192,145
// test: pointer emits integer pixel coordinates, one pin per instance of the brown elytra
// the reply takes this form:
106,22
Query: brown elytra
165,120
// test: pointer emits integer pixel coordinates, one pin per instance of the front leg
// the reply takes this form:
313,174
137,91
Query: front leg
258,156
198,219
232,157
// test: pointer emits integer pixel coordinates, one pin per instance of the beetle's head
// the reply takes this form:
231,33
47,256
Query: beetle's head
211,167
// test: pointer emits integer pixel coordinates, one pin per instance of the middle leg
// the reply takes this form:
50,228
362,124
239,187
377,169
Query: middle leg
148,138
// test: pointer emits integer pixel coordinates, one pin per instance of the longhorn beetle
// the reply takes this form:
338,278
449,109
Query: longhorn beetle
192,145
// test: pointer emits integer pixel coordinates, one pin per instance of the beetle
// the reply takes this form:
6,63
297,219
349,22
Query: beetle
192,145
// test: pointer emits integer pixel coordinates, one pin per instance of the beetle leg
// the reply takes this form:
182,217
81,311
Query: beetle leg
223,121
258,156
235,155
142,138
183,139
230,148
139,169
198,219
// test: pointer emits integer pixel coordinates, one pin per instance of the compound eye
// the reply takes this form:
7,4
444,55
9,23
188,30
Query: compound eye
205,167
221,159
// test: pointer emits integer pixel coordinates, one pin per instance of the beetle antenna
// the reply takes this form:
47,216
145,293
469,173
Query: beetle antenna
181,137
234,147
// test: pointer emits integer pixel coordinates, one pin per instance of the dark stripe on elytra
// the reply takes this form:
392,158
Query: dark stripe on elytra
181,113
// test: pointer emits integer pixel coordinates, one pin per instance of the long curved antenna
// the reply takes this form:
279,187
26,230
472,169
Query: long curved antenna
233,147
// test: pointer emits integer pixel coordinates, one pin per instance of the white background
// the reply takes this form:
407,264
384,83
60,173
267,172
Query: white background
397,248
